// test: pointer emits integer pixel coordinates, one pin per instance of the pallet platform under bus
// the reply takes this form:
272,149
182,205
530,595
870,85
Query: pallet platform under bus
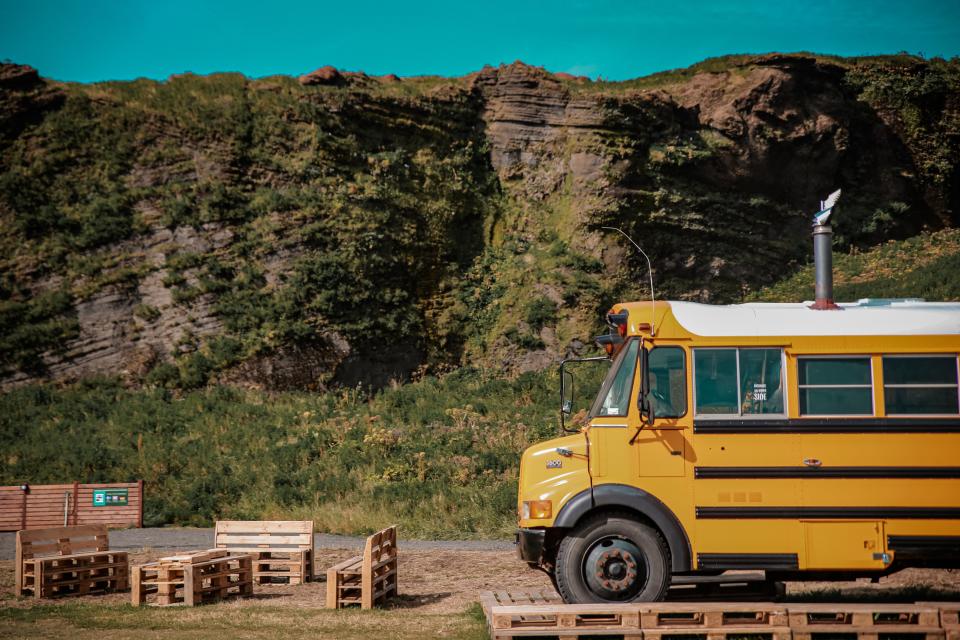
193,578
543,614
867,621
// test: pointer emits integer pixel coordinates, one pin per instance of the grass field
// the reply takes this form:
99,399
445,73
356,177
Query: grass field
99,622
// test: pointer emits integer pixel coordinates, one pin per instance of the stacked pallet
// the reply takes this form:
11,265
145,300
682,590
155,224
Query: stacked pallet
539,613
193,578
76,575
865,621
949,618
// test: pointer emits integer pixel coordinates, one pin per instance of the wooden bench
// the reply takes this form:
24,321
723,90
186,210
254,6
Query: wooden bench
368,579
279,548
68,561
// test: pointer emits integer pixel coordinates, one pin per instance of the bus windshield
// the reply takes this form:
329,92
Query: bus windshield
614,396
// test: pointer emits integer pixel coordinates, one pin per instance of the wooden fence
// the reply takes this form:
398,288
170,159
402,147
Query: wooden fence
57,505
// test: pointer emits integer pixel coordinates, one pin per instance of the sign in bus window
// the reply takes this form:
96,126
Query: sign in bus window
738,382
920,385
760,388
835,386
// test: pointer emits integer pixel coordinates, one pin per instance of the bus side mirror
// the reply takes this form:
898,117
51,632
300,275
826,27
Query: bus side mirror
566,392
566,396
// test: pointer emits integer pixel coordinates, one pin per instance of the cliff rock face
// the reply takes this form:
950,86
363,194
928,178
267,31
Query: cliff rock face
345,229
24,99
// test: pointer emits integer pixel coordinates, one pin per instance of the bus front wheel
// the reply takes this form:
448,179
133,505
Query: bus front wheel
611,557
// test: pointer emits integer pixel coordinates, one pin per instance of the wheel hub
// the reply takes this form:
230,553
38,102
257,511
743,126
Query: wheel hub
614,569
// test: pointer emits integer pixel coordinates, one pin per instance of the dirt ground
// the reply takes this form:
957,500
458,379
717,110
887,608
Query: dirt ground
429,581
441,581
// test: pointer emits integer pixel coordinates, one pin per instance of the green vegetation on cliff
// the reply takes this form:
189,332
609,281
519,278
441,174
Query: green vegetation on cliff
925,266
222,228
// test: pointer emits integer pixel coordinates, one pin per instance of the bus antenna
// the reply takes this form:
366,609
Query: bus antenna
653,329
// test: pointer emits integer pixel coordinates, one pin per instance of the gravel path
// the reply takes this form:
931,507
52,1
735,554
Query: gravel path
176,538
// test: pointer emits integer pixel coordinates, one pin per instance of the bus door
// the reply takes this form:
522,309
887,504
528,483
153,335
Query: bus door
741,449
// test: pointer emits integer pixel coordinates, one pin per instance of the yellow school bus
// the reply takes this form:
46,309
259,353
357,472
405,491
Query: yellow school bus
807,443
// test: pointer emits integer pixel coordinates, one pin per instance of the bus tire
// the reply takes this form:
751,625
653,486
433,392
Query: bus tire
612,557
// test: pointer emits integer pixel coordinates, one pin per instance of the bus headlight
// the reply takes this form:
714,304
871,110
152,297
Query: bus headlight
536,509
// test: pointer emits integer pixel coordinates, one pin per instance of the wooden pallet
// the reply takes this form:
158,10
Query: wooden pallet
491,599
76,575
542,613
899,616
665,617
722,633
876,632
866,621
949,617
193,578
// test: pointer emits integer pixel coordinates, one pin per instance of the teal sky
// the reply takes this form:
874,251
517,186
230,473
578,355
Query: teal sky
92,40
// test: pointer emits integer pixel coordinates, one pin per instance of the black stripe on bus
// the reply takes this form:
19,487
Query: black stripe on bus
858,513
817,473
924,543
829,425
782,561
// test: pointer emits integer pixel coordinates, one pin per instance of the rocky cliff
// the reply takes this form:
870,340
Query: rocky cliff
349,229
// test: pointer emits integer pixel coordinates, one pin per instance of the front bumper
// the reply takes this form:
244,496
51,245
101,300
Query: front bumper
530,544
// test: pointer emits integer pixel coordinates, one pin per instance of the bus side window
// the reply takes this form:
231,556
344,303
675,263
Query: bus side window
668,382
835,385
761,386
715,381
921,384
738,381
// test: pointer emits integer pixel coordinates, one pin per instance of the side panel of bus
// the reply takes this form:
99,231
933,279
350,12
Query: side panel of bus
830,492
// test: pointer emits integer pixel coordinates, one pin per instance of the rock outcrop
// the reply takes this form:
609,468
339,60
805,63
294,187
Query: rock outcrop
327,76
371,228
24,99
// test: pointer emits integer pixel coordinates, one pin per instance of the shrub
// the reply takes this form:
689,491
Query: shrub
540,312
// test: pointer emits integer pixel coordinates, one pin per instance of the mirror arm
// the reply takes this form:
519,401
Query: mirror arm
563,364
644,406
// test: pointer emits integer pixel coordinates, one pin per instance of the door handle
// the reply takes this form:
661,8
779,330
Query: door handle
812,462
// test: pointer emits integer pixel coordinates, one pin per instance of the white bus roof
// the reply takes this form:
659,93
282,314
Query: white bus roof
866,317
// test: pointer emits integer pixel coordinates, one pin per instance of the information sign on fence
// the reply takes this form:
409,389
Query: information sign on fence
110,497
